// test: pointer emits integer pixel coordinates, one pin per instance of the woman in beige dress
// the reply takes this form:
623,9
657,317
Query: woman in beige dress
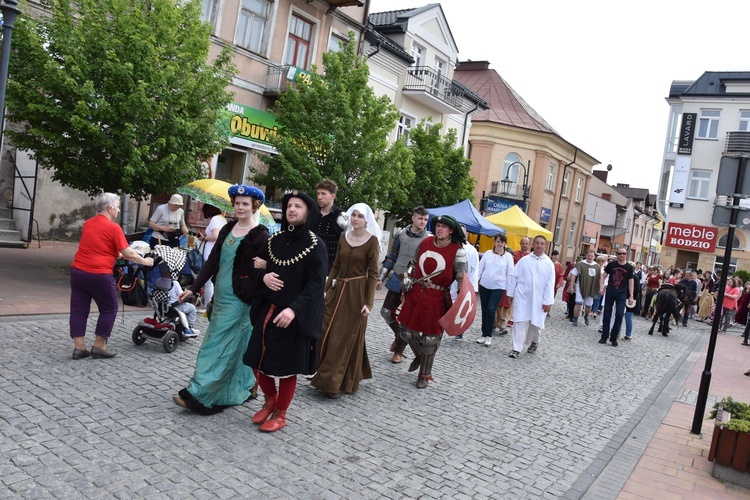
350,292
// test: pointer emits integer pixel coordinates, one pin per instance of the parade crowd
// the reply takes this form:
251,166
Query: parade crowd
297,302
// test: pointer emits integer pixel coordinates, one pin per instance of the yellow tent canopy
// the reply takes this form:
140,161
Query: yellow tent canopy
517,225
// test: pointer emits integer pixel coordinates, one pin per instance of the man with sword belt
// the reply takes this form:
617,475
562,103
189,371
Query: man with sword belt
440,260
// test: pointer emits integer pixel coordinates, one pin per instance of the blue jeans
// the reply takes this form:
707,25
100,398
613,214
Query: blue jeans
489,299
629,323
616,297
596,305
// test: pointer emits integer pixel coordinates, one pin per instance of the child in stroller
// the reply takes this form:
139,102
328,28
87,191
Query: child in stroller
186,308
172,321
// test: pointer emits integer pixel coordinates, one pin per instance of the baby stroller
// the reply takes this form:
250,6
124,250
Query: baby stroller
168,325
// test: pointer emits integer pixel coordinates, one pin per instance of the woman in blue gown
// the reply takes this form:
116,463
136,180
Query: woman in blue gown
221,379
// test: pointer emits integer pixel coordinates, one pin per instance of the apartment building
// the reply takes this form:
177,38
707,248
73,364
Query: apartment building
709,118
274,43
412,58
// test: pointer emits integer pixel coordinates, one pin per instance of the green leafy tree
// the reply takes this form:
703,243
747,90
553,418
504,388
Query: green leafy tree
332,126
441,170
118,95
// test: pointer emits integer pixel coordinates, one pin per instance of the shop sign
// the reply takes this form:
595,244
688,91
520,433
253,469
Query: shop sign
496,205
251,127
545,214
679,182
691,237
685,146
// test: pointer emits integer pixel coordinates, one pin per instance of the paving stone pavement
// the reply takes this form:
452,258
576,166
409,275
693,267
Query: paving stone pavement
544,425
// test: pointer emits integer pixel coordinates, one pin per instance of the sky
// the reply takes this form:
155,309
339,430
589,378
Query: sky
599,72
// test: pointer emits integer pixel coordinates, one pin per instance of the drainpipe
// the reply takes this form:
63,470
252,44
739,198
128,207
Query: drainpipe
466,121
377,49
364,28
559,198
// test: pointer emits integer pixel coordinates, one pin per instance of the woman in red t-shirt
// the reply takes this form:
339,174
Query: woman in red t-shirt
653,282
731,293
91,278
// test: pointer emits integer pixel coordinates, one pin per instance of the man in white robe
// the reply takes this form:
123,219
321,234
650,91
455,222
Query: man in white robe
532,293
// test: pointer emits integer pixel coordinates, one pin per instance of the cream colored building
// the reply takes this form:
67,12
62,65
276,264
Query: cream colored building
543,173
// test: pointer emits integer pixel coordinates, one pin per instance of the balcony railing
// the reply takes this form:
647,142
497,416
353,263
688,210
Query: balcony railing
279,79
428,80
738,142
512,190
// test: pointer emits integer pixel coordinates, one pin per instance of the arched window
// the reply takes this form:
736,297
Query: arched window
511,172
722,243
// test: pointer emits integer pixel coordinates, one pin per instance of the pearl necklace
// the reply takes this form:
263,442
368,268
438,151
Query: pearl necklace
243,227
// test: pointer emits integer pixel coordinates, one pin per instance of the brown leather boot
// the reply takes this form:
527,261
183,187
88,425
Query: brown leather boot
276,422
268,407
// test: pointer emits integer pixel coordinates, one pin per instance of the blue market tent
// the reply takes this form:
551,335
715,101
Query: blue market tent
465,213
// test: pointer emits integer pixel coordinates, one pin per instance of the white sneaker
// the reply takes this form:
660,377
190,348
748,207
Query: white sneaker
487,341
481,340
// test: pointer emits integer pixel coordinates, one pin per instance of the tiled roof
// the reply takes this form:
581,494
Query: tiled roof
397,17
506,107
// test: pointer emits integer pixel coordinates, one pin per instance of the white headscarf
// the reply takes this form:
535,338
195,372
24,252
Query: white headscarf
372,225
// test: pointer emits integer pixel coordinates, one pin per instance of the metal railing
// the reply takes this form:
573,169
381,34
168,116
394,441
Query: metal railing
737,141
428,80
277,81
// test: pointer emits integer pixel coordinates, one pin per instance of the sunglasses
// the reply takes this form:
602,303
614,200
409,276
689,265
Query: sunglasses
620,253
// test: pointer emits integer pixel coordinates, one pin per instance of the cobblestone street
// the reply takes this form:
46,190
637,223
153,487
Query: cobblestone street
543,425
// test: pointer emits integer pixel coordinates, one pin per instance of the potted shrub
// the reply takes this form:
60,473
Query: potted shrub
730,443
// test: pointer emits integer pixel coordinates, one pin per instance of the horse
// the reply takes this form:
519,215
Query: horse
669,299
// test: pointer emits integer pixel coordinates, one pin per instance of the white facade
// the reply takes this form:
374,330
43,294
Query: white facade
717,109
413,65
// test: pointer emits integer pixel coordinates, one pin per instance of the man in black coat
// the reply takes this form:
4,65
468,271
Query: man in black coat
287,311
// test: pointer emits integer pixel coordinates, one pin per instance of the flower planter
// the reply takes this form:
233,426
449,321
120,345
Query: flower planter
730,453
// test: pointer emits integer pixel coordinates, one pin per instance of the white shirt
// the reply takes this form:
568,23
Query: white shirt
495,270
472,261
175,291
217,222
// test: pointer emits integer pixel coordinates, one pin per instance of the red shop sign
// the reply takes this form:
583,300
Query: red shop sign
691,237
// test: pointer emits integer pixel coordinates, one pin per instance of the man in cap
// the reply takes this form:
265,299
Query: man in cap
167,223
441,259
404,249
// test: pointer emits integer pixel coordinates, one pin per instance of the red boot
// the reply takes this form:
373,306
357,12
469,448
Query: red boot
276,422
268,407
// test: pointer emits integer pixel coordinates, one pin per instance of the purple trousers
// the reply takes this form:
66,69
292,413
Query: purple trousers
83,288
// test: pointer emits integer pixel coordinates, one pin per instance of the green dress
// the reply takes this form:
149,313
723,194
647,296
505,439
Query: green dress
221,378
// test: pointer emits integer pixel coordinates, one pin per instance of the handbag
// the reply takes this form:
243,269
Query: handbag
195,259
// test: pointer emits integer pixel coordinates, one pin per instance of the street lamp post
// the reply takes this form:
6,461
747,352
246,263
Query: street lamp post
10,11
507,181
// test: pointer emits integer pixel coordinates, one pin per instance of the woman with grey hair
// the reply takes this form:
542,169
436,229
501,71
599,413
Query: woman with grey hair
91,278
